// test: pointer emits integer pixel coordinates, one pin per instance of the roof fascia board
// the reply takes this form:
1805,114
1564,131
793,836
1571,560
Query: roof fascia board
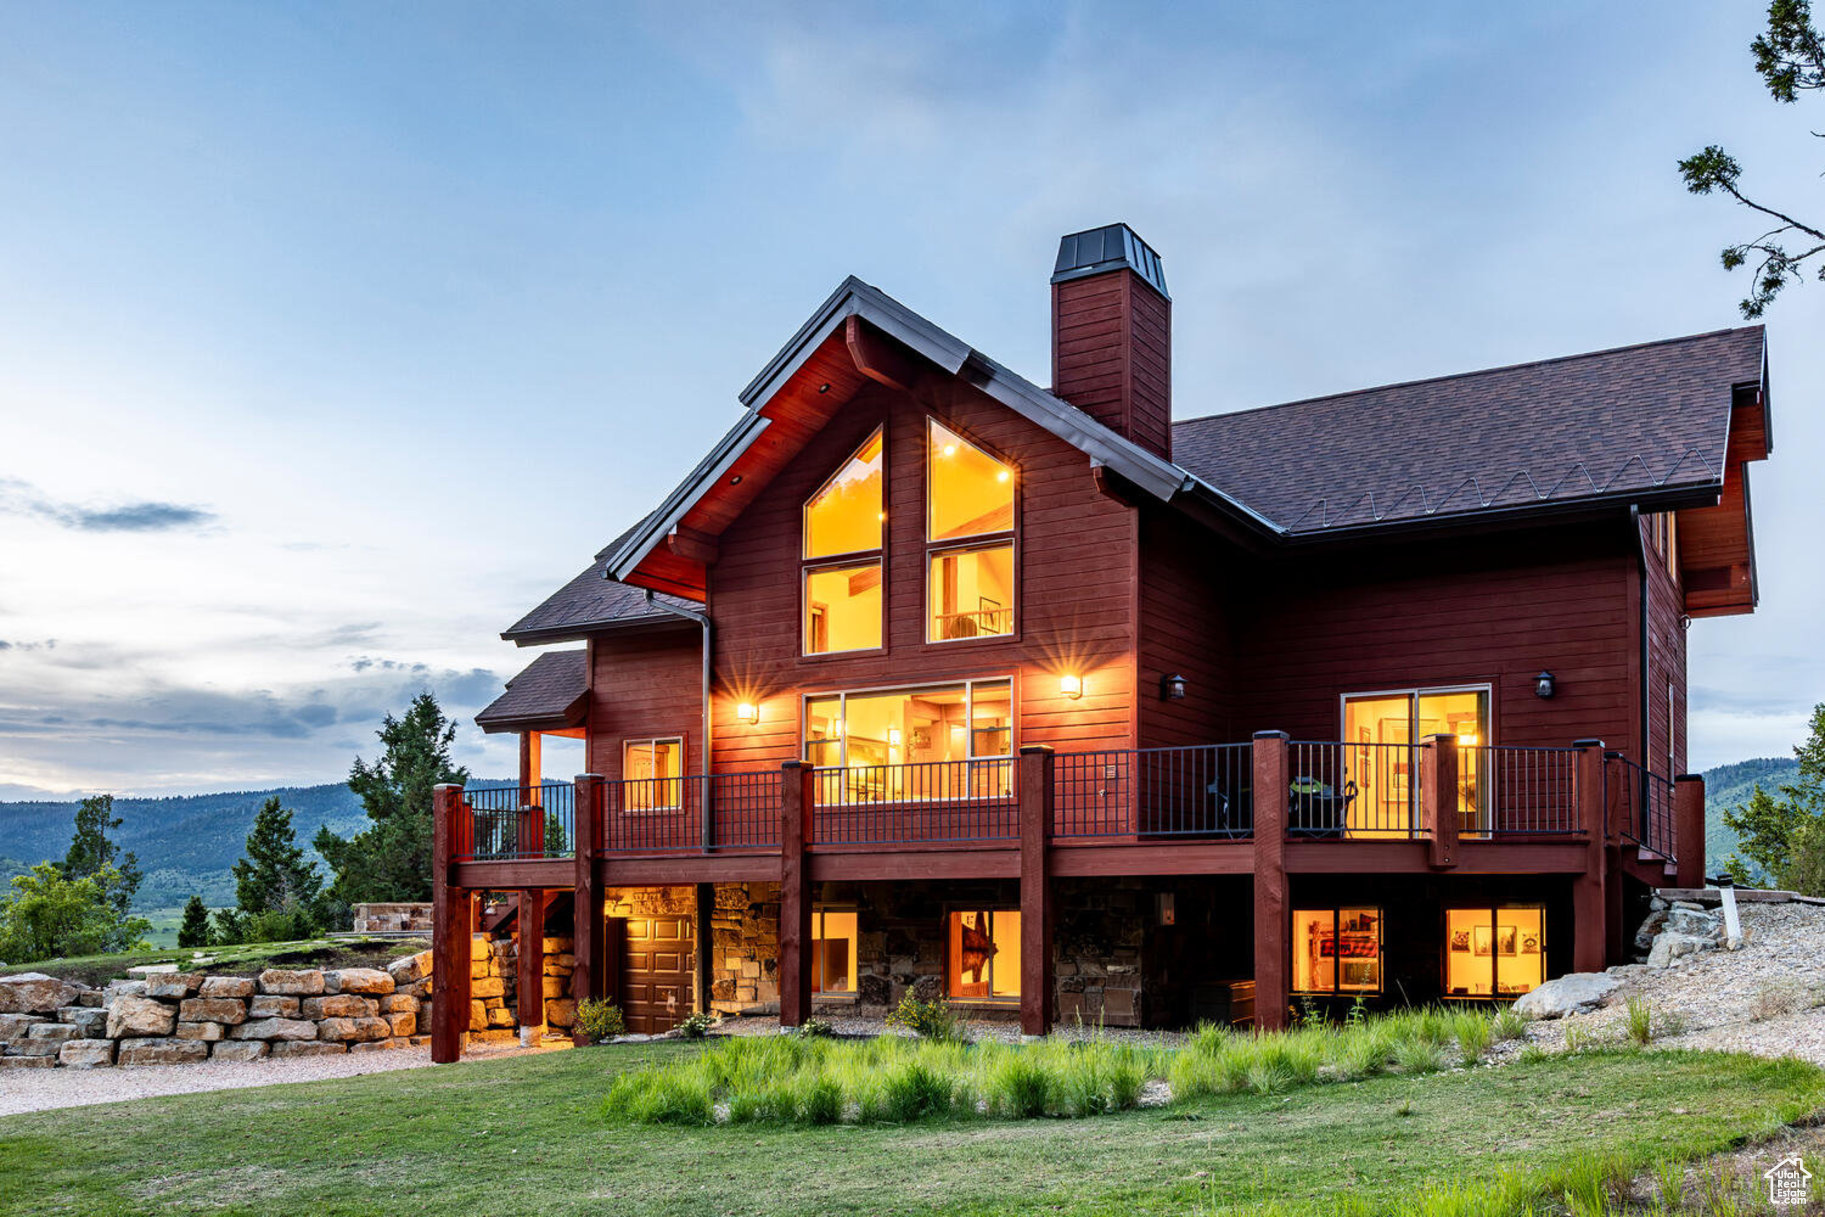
584,631
854,298
728,450
1520,514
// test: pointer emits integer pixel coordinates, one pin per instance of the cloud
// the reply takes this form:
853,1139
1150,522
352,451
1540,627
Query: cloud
21,498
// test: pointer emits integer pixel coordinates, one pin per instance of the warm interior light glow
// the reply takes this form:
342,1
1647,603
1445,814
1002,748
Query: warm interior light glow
747,712
1071,687
972,593
950,450
1004,476
844,516
968,492
1467,741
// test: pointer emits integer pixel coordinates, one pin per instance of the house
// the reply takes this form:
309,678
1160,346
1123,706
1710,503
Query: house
928,678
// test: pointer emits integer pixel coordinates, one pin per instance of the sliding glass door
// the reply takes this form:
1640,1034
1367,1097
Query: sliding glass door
1379,730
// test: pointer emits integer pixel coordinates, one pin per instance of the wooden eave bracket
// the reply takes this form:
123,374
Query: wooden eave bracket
877,356
693,545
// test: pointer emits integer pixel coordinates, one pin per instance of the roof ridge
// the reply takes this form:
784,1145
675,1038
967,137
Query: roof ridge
1506,367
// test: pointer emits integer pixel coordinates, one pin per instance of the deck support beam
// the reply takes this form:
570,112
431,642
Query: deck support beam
1271,912
1590,903
1689,829
586,908
1438,799
529,985
451,920
797,796
703,916
1037,786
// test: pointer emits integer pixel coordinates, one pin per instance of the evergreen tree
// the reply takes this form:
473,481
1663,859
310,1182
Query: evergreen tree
392,859
194,932
227,928
274,875
1786,835
48,915
92,855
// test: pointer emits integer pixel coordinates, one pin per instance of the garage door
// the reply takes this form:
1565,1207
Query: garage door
656,973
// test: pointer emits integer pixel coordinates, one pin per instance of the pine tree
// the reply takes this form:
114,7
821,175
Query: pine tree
92,855
274,875
1785,836
391,860
194,932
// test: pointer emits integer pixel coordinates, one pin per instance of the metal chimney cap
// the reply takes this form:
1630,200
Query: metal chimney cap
1097,251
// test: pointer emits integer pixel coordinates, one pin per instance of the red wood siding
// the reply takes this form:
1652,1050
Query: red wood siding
1666,662
1076,553
1186,615
644,685
1112,355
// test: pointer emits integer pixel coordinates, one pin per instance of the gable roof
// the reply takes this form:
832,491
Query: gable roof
1638,423
592,602
551,694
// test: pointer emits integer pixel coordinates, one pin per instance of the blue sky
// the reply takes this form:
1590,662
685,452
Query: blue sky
404,310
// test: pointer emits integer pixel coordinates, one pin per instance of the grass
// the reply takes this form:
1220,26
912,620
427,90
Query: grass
528,1134
308,953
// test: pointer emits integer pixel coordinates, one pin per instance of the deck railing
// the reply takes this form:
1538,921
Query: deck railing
920,803
1641,804
695,812
1337,790
1504,790
512,822
1197,791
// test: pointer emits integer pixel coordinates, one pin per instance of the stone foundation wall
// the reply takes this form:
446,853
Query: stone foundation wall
744,937
393,918
494,1000
179,1017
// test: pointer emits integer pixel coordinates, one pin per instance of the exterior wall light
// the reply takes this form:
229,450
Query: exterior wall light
1544,685
1071,687
1172,687
747,714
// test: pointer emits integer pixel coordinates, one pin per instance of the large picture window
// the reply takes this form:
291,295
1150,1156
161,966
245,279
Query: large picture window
867,740
1378,731
1337,951
983,955
969,497
844,519
833,960
1495,952
652,771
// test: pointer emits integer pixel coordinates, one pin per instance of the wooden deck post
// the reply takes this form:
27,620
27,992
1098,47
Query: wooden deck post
450,919
587,980
704,911
797,798
530,984
1271,913
1689,828
1438,799
1590,907
532,822
1037,784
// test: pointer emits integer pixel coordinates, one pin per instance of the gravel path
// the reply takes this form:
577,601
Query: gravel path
871,1023
25,1090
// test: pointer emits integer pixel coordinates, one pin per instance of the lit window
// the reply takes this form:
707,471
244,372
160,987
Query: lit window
969,492
833,934
1378,731
894,744
1337,950
842,608
842,604
983,960
972,593
652,772
1495,952
845,515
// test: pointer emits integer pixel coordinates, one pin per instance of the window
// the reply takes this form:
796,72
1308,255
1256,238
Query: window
833,933
1495,952
652,771
969,495
1337,950
983,959
1378,729
842,601
865,741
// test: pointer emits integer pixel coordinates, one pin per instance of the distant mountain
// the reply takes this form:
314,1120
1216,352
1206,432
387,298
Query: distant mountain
1728,787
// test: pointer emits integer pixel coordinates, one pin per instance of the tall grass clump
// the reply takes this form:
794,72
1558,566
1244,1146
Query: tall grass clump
1640,1021
1510,1023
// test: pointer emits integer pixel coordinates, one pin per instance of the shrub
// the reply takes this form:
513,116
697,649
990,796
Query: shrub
697,1025
600,1020
929,1020
816,1029
912,1090
1019,1086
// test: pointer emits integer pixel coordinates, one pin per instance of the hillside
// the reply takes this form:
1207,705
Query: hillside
1728,786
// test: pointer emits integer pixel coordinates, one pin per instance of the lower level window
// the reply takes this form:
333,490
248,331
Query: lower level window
984,955
652,774
833,951
1337,950
1495,952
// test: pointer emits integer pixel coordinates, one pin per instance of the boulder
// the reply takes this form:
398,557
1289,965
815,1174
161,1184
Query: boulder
561,1012
410,968
275,1029
305,983
31,1047
399,1003
478,1016
28,1062
340,1005
403,1023
1695,922
91,997
501,1016
212,1010
478,947
139,1016
86,1054
91,1020
268,1006
161,1052
418,988
1569,994
173,984
357,980
1669,946
308,1048
15,1026
124,988
487,986
208,1032
379,1045
35,993
59,1033
353,1029
227,986
554,986
239,1050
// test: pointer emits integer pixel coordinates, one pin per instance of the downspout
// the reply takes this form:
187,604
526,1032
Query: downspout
1641,597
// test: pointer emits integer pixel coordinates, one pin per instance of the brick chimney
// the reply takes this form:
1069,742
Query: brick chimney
1112,334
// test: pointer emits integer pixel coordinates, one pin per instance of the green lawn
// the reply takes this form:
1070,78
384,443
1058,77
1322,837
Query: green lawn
527,1135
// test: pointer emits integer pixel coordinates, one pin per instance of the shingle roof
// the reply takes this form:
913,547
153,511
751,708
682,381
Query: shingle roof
552,693
1649,417
591,601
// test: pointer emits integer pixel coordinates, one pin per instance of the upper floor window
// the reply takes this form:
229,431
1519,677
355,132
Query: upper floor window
969,498
652,774
842,602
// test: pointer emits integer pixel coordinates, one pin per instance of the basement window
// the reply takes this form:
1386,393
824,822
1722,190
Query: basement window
983,955
833,956
1337,951
1495,952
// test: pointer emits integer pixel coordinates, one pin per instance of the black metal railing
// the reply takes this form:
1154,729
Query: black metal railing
927,801
1641,804
513,822
1352,790
1504,790
694,812
1198,791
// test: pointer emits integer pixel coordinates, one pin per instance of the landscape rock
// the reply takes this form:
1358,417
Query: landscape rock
239,1050
86,1054
227,986
269,1006
304,983
340,1005
275,1029
32,1047
209,1032
291,1048
487,986
405,1022
28,1062
353,1029
174,984
379,1045
15,1026
357,980
161,1052
399,1003
410,968
55,1032
124,988
1569,994
212,1010
35,993
1694,922
139,1016
419,988
561,1012
92,1020
1669,946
